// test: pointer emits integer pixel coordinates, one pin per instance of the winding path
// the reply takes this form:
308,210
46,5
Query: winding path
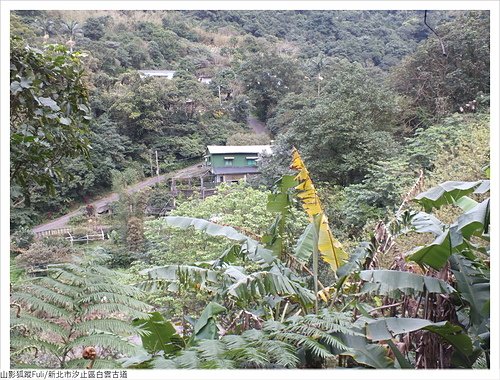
257,125
62,221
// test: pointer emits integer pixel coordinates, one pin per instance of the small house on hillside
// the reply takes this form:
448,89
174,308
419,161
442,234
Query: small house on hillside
169,74
233,163
205,79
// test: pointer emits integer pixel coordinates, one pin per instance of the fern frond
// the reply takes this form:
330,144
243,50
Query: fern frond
280,353
21,343
248,354
109,341
211,349
77,275
110,297
52,296
125,290
111,307
37,325
98,364
114,326
188,359
159,362
218,363
68,277
316,348
60,287
253,335
38,304
233,342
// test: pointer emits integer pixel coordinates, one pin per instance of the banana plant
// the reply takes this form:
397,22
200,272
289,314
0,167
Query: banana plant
423,298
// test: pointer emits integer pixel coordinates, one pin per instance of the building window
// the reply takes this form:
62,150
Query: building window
228,161
251,162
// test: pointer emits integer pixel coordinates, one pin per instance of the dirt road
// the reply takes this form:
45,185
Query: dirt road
62,221
257,125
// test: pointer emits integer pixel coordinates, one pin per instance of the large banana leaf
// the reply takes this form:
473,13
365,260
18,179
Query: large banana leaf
158,334
387,281
449,192
330,248
475,221
435,254
474,287
364,352
249,245
388,328
356,259
273,282
280,202
205,327
305,245
465,203
423,222
280,199
234,281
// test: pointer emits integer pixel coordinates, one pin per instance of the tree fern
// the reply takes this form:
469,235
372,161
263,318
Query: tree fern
112,325
107,308
35,324
98,364
71,308
276,345
35,303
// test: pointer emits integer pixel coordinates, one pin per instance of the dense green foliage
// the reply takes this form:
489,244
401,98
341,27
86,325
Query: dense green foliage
371,252
257,60
438,84
72,306
344,128
49,114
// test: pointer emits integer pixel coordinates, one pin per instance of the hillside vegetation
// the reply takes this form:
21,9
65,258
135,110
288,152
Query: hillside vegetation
363,243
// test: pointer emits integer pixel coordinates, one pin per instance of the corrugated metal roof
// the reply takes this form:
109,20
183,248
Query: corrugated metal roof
232,149
236,170
157,73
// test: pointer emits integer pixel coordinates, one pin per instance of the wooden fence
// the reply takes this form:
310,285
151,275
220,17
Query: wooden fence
86,238
53,232
69,234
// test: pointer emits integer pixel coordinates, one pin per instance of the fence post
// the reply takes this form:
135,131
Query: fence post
71,238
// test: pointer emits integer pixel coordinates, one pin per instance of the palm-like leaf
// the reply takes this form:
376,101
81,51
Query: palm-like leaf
80,303
329,247
26,321
38,304
389,281
252,248
108,340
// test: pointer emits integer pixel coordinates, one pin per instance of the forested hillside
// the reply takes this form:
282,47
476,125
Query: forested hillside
362,243
256,59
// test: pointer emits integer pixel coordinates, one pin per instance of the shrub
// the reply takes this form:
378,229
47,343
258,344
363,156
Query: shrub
23,237
47,251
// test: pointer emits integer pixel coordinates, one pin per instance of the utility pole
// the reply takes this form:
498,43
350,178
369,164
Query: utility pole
220,98
151,163
320,78
157,166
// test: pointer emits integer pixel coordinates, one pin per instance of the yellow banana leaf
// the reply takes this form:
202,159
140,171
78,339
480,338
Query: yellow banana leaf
330,248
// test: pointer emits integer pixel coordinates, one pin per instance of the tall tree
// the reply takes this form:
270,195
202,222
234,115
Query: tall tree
49,113
438,84
342,131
